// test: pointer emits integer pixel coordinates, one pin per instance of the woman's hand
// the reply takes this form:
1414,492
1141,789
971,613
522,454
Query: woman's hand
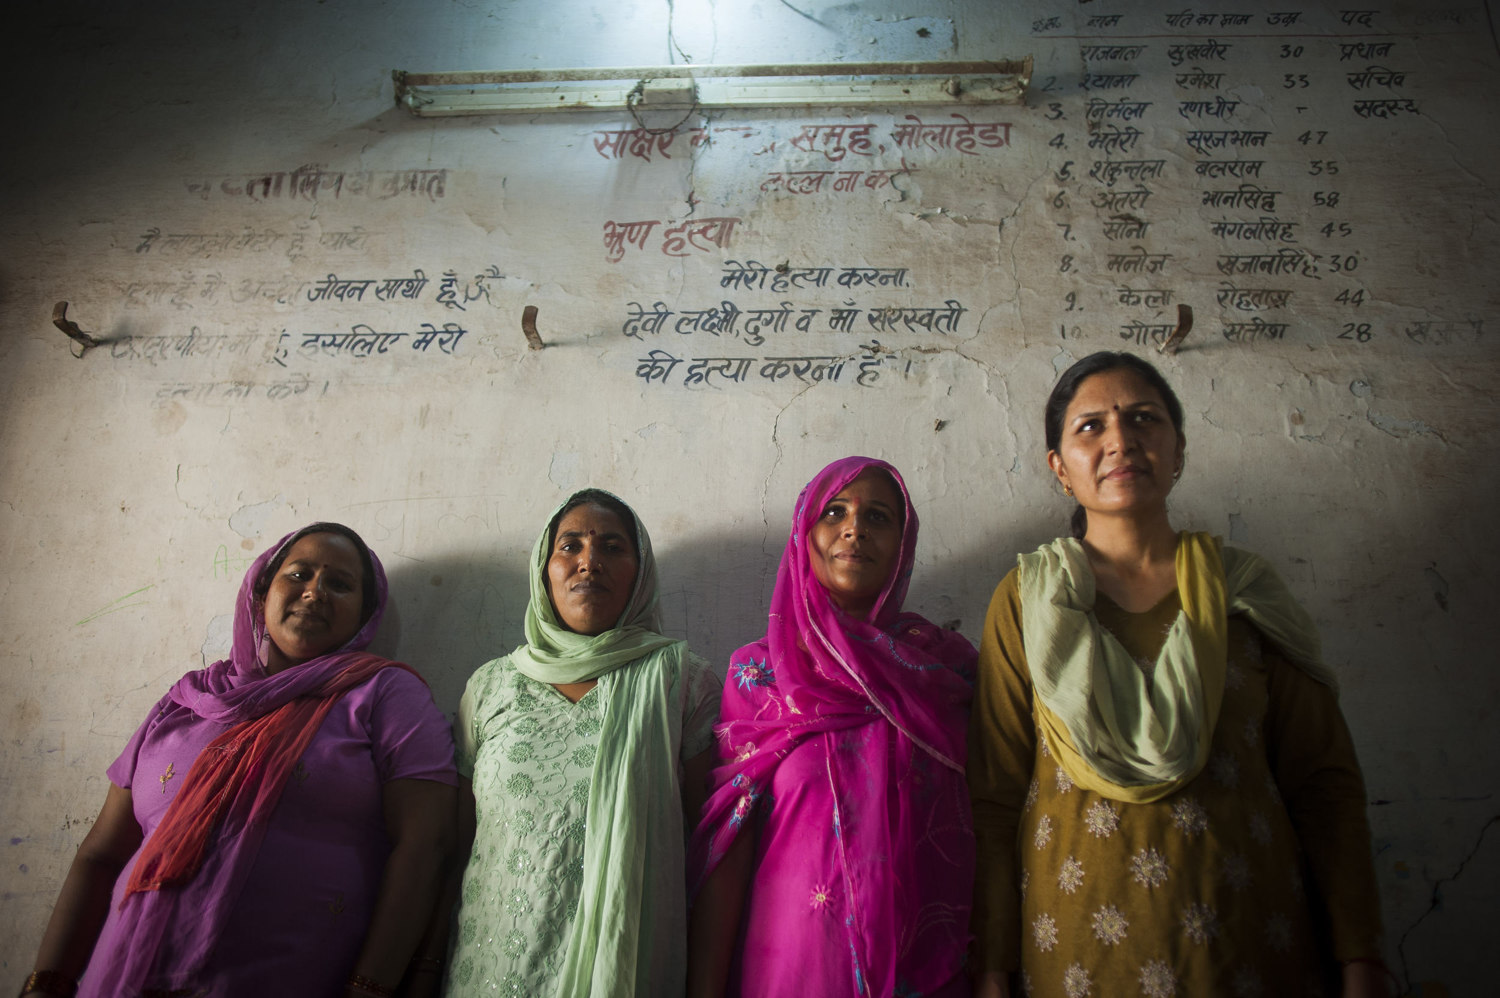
1366,979
421,818
992,984
695,786
424,976
714,924
83,903
421,984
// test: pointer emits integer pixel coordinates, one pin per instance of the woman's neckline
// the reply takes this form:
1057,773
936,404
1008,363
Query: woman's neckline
1170,594
592,684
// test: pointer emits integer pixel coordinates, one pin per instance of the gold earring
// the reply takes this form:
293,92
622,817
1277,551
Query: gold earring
1067,490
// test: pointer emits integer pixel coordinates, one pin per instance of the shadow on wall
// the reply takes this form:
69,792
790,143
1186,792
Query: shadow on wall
716,590
959,587
451,613
718,596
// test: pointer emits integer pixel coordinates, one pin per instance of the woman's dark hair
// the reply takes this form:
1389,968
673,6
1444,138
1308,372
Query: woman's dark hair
1067,387
369,598
596,497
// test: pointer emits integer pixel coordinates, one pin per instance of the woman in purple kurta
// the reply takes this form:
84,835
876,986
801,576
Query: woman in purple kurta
836,854
277,825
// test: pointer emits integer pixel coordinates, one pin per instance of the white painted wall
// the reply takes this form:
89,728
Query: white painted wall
138,481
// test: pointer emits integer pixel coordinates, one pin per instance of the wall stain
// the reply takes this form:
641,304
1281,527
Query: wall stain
25,718
1439,585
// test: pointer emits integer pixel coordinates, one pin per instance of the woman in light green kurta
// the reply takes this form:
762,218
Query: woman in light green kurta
585,746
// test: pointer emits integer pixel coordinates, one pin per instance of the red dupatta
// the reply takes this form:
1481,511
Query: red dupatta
241,773
189,873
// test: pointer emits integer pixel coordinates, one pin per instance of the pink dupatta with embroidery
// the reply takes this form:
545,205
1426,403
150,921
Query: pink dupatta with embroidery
882,704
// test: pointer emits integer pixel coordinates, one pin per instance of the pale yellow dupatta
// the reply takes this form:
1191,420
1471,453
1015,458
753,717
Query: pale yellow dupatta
1124,732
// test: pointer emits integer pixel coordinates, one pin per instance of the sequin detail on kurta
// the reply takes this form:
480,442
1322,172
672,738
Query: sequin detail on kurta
531,764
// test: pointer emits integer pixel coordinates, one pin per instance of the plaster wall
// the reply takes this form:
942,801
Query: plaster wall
202,185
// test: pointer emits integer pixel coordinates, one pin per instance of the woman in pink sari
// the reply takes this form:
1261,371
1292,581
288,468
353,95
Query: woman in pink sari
836,853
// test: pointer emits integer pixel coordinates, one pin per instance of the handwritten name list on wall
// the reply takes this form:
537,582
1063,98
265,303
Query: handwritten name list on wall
1241,163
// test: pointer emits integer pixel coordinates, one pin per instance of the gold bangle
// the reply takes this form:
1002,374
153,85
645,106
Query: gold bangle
361,983
50,982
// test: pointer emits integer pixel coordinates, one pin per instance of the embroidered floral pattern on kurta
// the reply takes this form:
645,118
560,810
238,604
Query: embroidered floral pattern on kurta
531,763
1195,894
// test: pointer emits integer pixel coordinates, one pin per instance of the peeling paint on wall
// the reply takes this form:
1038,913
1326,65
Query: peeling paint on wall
249,521
311,302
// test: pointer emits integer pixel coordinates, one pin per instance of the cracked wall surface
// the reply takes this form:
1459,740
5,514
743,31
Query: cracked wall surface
311,304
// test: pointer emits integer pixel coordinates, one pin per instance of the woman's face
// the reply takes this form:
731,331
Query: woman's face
856,541
1119,450
591,571
313,603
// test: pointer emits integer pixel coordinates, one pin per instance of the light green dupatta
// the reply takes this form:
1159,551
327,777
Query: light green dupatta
1132,735
629,934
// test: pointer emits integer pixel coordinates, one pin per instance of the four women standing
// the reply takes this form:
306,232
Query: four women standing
1166,796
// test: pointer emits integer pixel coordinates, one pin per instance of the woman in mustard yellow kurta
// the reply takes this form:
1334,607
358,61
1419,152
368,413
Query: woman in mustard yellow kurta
1166,797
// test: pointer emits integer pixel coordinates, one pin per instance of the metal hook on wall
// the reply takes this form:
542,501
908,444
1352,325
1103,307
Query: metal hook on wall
528,327
61,321
1184,326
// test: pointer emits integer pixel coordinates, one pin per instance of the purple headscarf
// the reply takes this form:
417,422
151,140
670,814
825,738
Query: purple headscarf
886,700
237,688
184,915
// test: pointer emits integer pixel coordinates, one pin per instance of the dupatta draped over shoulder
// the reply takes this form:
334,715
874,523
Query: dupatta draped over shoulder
189,874
884,702
629,935
1136,734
